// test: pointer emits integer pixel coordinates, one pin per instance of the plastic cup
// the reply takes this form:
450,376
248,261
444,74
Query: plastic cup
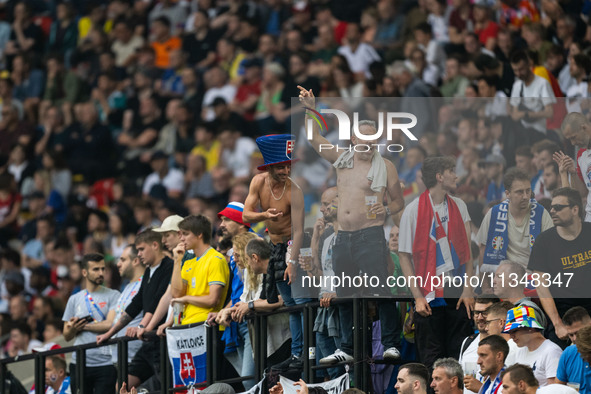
369,202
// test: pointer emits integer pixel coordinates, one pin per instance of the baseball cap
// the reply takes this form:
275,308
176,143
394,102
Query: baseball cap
171,223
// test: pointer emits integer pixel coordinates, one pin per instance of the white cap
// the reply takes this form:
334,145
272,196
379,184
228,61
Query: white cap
171,223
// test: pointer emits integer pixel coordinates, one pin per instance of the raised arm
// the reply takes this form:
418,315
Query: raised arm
319,143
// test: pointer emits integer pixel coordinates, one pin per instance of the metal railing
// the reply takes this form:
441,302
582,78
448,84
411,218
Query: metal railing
362,335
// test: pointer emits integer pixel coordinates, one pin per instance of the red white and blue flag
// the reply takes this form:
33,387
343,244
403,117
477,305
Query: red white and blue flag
187,352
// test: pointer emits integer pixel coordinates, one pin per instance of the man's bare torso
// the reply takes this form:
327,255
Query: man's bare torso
353,186
279,228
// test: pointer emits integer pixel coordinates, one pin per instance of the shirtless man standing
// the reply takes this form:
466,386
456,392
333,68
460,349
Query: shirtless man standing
360,247
282,204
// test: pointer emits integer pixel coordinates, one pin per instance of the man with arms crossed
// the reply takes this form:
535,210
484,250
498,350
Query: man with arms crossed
360,247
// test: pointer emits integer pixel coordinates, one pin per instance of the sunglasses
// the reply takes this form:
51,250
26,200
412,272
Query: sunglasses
559,207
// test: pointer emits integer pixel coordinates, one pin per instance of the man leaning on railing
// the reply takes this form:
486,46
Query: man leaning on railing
88,313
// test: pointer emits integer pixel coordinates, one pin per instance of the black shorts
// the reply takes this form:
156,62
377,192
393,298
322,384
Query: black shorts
146,361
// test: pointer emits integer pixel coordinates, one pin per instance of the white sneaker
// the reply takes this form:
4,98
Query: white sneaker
336,357
391,354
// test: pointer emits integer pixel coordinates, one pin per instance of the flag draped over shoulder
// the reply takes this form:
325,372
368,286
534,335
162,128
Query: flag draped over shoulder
434,251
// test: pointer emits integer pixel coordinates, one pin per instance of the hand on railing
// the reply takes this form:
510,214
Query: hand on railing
124,390
161,332
240,312
132,332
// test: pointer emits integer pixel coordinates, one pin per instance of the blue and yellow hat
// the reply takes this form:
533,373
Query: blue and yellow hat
276,149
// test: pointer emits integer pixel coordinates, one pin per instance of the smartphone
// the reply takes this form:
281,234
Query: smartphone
89,319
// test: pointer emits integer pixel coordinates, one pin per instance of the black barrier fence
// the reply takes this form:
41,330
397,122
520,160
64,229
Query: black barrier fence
362,335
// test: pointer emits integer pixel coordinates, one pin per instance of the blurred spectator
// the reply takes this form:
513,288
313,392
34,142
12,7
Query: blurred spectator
28,84
33,254
170,178
454,84
198,179
217,85
13,130
236,152
20,165
20,341
162,41
200,43
63,36
7,98
359,55
25,36
125,44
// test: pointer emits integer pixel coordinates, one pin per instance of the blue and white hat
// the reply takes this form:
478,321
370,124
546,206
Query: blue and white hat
276,149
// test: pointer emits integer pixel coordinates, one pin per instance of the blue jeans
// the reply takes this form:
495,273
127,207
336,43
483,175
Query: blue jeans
325,346
243,359
296,324
365,252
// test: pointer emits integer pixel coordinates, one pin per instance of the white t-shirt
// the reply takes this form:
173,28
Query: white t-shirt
470,355
575,95
360,60
556,389
518,249
408,223
173,181
227,92
238,159
535,97
543,360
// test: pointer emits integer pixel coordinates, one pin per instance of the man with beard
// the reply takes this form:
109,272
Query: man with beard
510,228
282,204
154,283
468,351
130,268
365,180
565,254
85,311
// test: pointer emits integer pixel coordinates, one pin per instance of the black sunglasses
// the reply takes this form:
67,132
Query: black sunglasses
559,207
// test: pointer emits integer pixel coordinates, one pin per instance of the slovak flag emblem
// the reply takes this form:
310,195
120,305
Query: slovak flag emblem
289,145
187,368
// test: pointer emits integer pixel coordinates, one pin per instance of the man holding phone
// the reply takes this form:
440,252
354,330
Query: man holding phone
88,313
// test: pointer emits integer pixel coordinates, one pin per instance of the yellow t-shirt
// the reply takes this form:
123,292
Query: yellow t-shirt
200,273
212,156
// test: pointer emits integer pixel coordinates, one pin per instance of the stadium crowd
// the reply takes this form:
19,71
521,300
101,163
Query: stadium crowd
145,165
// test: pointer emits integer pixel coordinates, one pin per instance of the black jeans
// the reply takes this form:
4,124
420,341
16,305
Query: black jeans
365,252
441,334
99,380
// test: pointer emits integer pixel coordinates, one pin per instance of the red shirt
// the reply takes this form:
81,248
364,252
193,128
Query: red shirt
244,92
490,31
